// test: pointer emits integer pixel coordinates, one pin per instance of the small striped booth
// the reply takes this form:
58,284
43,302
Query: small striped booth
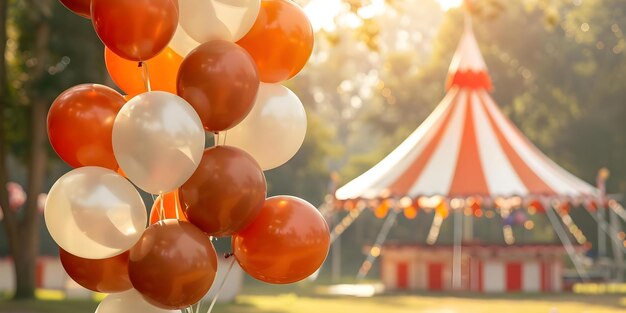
485,269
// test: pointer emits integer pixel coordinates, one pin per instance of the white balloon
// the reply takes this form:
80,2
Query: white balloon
206,20
158,141
129,301
181,43
94,213
275,128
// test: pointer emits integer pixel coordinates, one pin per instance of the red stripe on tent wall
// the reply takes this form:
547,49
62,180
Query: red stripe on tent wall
545,276
402,275
469,177
481,286
514,276
435,276
39,274
404,183
533,183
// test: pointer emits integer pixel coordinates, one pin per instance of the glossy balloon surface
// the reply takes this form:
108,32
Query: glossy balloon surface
219,79
281,40
104,275
80,7
226,192
287,242
171,204
158,141
128,302
136,30
80,125
162,70
206,20
94,213
173,265
277,113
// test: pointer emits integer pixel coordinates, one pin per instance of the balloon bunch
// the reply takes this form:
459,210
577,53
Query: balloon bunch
188,67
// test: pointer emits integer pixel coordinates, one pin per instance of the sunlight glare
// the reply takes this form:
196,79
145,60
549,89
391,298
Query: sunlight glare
322,13
449,4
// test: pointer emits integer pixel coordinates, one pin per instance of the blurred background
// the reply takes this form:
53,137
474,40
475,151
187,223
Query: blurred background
378,69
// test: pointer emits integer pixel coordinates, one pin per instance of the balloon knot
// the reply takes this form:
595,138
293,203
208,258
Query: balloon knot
228,255
140,64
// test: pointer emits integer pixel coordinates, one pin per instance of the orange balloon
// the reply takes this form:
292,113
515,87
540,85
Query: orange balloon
80,125
105,275
281,40
287,242
225,193
219,79
80,7
173,265
162,70
171,204
136,30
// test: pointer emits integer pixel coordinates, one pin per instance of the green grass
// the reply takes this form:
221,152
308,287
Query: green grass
280,299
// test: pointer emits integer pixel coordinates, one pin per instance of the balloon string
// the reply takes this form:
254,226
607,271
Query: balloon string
162,207
177,204
219,290
145,74
225,136
216,138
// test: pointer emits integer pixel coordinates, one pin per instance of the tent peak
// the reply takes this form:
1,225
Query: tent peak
468,68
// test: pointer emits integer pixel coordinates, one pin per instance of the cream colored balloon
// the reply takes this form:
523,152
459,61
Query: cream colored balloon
275,128
94,213
129,301
181,42
206,20
158,141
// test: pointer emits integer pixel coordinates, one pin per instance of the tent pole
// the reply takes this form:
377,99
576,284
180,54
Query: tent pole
601,235
607,229
567,244
377,247
618,209
456,253
335,269
618,252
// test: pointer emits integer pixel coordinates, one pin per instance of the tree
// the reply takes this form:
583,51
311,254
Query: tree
35,68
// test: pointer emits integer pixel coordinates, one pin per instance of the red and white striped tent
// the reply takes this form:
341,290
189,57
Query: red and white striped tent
467,148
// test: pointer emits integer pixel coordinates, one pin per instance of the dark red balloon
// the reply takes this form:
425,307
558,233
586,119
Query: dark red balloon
80,7
287,242
136,30
80,125
173,265
225,193
220,80
105,275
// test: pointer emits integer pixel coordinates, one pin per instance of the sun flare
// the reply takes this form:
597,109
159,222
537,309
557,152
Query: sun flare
448,4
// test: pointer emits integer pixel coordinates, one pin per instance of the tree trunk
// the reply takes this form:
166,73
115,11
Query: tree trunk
26,253
10,218
23,231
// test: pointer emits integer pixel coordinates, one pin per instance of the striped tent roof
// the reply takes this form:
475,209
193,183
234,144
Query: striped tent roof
467,148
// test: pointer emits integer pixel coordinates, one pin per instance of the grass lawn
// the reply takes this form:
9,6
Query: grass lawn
284,302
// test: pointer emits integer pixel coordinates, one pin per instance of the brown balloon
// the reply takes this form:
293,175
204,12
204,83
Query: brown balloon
220,80
173,265
225,193
105,275
80,7
286,243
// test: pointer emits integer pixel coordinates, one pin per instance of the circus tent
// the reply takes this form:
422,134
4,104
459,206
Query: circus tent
467,153
466,148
